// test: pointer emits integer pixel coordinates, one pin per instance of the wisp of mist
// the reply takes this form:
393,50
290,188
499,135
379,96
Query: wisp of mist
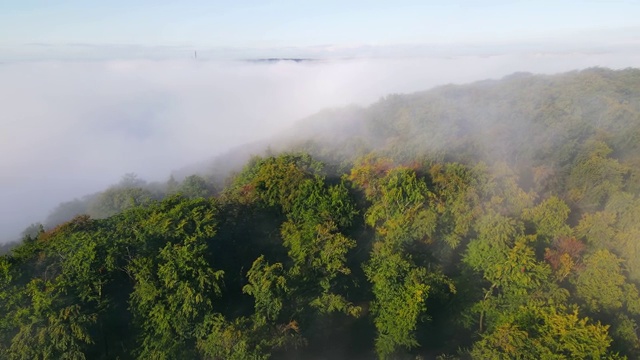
73,128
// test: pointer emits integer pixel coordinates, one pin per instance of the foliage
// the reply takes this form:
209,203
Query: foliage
545,332
497,220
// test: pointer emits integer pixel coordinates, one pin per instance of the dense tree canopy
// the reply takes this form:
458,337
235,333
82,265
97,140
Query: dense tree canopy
497,220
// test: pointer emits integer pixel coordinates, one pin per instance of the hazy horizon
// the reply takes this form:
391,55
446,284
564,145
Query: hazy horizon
96,91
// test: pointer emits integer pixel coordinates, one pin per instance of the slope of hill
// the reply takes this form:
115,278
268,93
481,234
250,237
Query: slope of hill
492,220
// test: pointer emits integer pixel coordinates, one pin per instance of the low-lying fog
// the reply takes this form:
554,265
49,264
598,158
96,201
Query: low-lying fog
73,128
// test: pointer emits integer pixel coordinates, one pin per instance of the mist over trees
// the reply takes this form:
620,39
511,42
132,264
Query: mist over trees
494,220
114,116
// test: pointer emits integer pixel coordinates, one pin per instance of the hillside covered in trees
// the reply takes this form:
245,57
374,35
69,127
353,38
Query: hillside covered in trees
496,220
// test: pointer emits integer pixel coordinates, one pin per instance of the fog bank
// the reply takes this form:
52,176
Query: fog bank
72,128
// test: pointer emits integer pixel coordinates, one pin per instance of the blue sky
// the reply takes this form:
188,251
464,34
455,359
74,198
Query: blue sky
285,23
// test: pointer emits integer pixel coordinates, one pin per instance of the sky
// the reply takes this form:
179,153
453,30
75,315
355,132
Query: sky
29,28
92,90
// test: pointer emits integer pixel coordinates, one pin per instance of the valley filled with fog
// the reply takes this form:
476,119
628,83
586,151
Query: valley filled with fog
72,128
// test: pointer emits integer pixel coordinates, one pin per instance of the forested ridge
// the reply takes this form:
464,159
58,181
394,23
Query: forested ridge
495,220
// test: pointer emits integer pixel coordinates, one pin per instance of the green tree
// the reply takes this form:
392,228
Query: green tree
174,284
545,332
602,285
195,186
549,218
595,176
401,216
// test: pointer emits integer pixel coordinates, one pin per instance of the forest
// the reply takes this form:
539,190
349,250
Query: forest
494,220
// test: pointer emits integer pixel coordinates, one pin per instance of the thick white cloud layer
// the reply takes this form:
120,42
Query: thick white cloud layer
72,128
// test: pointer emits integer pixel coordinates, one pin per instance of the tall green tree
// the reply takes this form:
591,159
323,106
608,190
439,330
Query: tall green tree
401,216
